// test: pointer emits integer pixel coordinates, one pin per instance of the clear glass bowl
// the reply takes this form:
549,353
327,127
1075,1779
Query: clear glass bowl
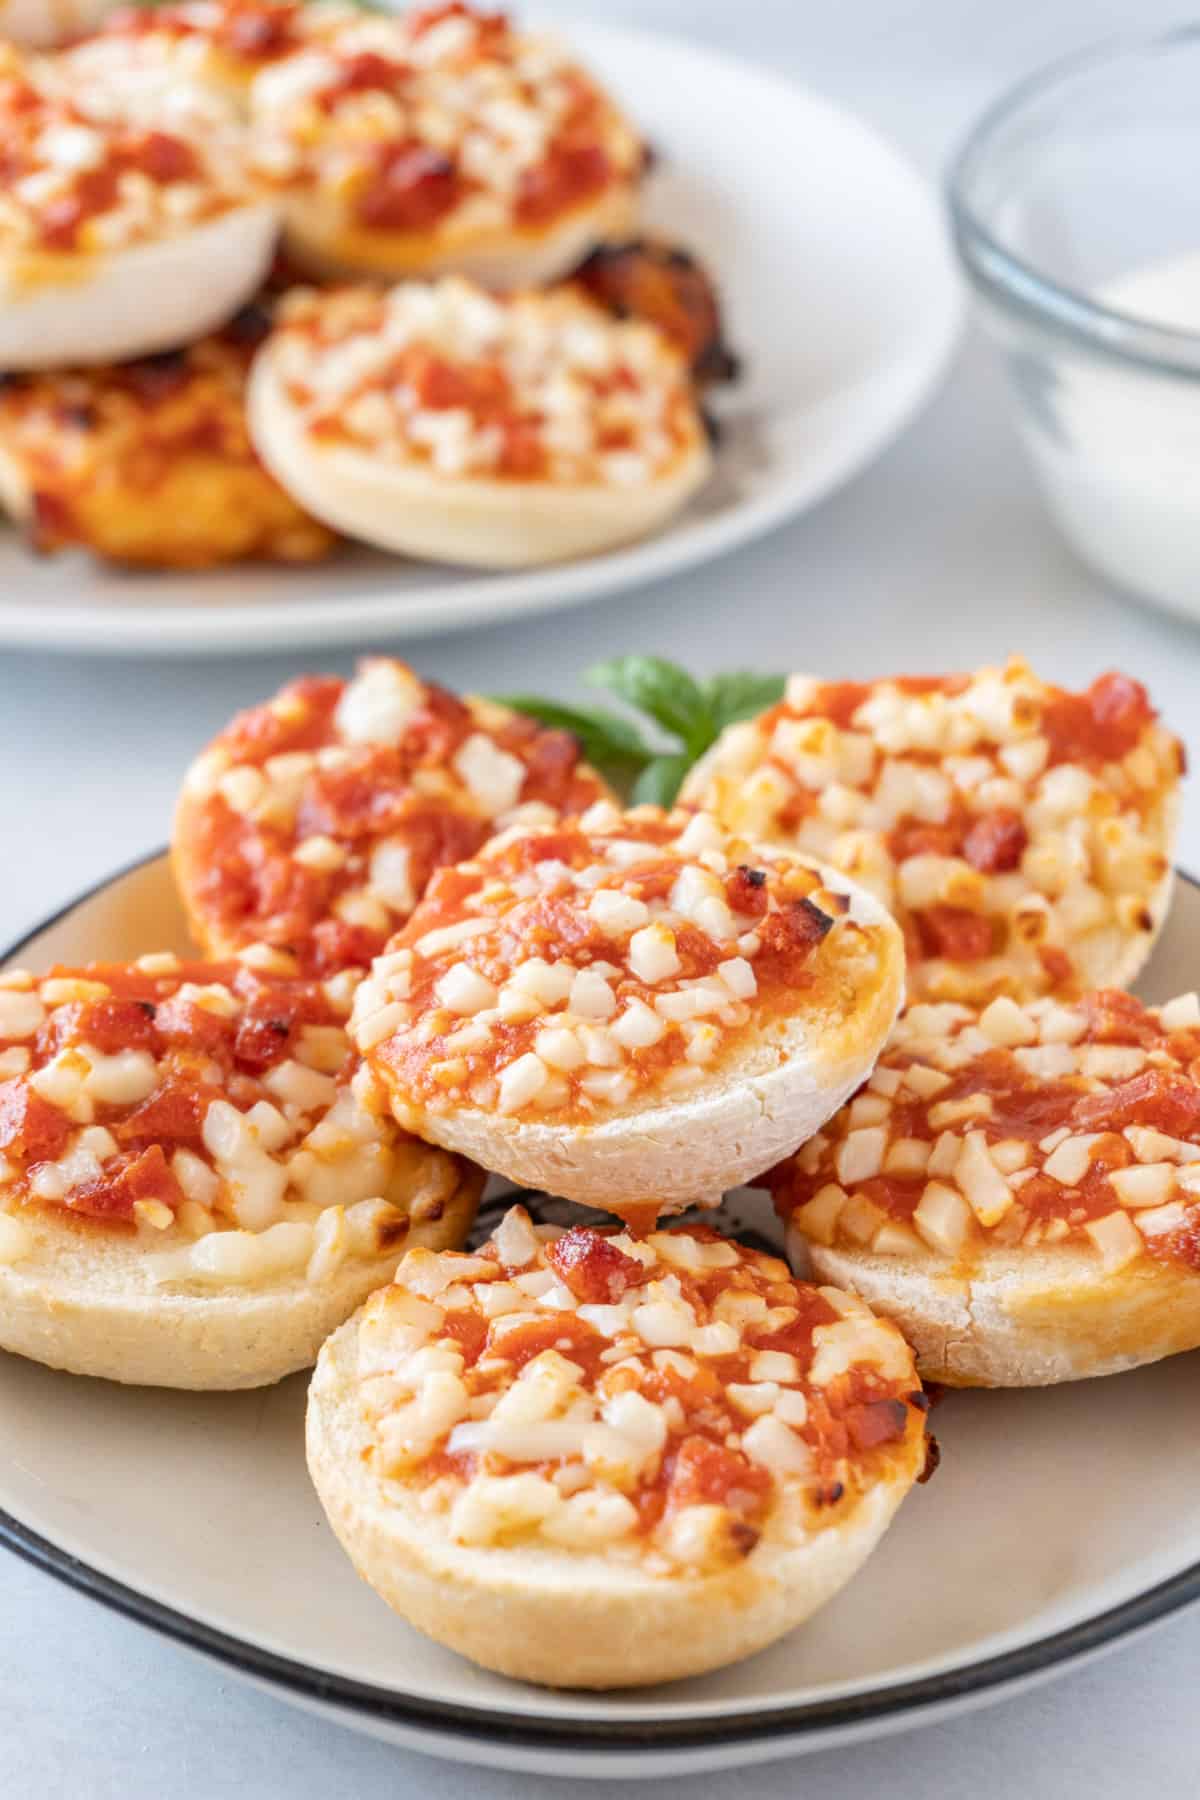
1076,211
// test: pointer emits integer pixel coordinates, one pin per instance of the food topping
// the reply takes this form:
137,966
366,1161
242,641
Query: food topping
200,40
664,286
89,167
205,1107
1022,1125
151,461
669,1398
575,969
1019,832
445,120
315,820
456,382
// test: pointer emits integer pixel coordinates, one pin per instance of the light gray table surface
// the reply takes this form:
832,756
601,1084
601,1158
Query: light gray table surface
938,556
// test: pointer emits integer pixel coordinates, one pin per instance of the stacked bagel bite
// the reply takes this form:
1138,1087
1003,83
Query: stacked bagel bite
490,369
621,1444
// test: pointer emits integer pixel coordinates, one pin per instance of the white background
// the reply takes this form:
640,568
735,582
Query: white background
938,557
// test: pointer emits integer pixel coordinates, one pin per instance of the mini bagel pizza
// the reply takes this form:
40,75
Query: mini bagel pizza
439,421
443,141
197,1181
150,462
312,824
596,1460
1018,1188
630,1004
127,222
1021,834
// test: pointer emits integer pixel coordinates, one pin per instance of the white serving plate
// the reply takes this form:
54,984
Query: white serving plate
1061,1522
841,294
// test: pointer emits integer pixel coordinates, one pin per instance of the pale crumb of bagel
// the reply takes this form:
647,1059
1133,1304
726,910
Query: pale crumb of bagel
16,1239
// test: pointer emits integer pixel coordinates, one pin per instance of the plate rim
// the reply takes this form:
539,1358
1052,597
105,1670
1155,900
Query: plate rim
452,1724
481,598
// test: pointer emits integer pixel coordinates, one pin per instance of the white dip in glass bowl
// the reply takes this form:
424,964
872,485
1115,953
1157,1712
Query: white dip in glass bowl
1076,211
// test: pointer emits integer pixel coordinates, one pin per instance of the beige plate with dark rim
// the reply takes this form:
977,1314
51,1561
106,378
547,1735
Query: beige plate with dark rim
1040,1542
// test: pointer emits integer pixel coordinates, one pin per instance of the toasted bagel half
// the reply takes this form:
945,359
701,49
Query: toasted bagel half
1018,1188
1021,834
196,1186
517,1462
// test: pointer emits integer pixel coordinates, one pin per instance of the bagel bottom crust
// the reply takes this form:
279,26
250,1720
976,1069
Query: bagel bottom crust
320,242
1020,1319
92,1309
564,1619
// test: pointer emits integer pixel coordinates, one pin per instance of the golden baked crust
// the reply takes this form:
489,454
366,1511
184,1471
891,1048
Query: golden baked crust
150,462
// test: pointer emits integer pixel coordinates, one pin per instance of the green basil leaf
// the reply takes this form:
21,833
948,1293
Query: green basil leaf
606,739
740,695
660,780
667,693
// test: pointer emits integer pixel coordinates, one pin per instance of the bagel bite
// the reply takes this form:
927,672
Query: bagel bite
313,822
1021,834
128,221
1017,1187
629,1005
150,462
589,1459
439,421
198,1181
442,141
